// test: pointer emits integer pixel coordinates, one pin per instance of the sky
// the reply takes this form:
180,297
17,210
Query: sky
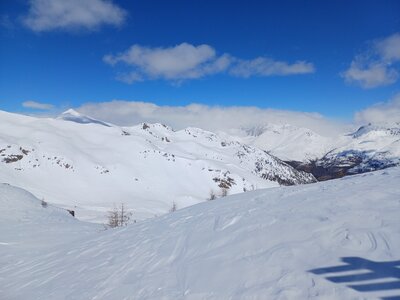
338,59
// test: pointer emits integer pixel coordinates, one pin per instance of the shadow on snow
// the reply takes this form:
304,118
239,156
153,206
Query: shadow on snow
371,270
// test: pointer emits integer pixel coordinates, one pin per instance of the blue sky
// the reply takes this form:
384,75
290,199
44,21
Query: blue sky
288,55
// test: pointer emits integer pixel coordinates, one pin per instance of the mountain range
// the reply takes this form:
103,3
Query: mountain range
90,166
368,148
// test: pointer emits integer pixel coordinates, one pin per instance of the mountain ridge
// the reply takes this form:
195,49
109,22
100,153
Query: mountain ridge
123,164
368,148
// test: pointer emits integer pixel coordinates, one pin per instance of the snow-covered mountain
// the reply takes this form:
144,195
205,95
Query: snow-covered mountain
87,165
74,116
330,240
289,143
368,149
371,147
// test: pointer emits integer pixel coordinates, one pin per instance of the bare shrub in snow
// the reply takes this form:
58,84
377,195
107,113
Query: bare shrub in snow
43,203
174,207
212,196
119,217
252,188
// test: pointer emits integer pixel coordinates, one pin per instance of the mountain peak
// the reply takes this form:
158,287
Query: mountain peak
72,112
389,129
74,116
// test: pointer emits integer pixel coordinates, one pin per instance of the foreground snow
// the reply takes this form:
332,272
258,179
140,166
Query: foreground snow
256,245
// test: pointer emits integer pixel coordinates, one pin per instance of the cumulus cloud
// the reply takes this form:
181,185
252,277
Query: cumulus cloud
384,112
47,15
213,118
389,48
186,61
37,105
378,66
183,61
370,75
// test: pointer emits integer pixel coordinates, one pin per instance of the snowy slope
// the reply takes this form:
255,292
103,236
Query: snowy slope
374,146
88,166
371,147
74,116
27,224
290,142
256,245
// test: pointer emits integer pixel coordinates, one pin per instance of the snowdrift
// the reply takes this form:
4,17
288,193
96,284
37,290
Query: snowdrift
279,243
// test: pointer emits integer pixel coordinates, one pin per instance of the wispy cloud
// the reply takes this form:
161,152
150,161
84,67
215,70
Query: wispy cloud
37,105
214,118
186,61
378,66
262,66
384,112
48,15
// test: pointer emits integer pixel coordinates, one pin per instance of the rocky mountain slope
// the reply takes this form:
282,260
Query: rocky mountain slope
371,147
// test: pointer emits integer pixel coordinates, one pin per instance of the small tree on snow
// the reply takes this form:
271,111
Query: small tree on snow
174,207
113,218
212,196
118,216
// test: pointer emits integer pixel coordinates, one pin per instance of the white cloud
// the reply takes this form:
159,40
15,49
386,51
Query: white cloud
37,105
47,15
214,118
186,61
389,48
370,75
384,112
262,66
130,77
180,62
378,66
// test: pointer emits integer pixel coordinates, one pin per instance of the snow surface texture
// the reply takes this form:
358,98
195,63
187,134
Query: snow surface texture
87,165
278,243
